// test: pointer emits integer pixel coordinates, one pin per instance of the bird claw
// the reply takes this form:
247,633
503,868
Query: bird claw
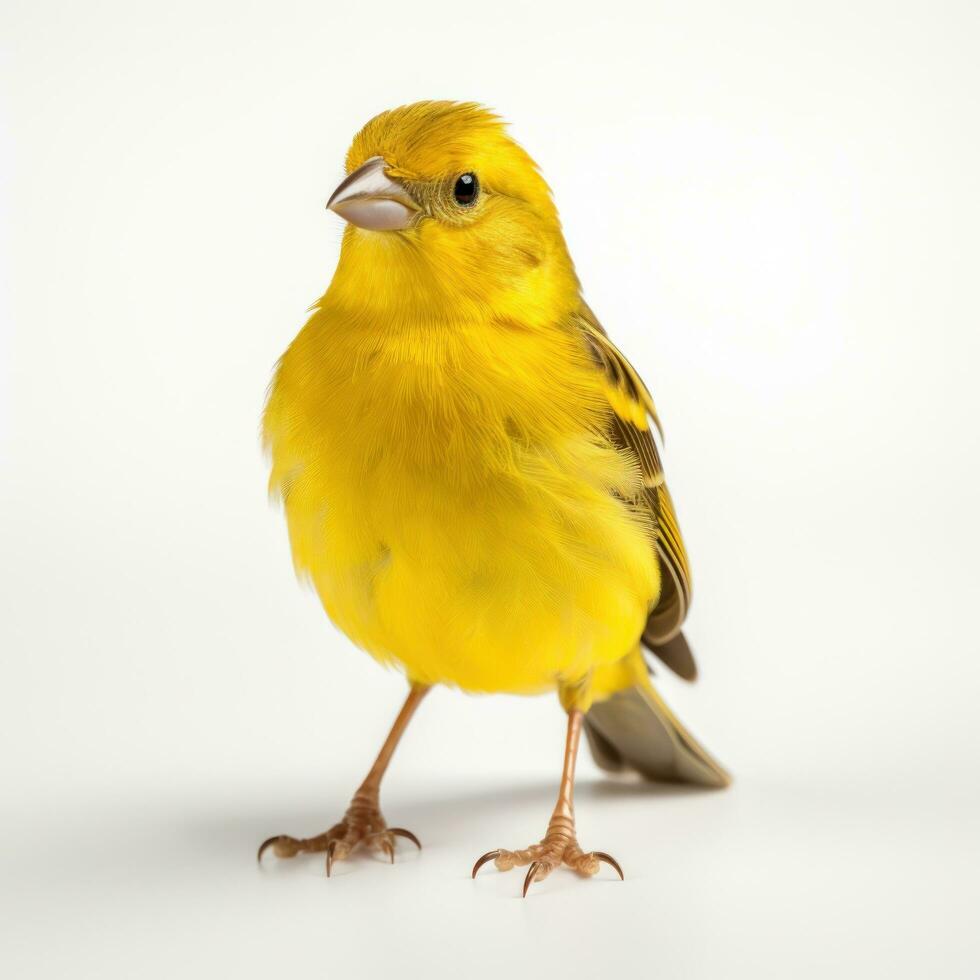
402,832
363,827
489,856
555,850
610,860
537,867
283,845
266,844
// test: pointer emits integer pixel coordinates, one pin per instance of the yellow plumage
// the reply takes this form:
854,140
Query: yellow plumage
437,436
464,457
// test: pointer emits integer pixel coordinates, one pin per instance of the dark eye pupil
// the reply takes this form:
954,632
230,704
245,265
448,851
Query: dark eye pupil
466,189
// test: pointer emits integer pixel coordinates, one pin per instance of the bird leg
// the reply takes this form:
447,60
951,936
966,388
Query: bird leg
363,823
559,844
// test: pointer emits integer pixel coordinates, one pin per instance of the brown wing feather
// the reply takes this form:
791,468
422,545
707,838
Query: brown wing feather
632,411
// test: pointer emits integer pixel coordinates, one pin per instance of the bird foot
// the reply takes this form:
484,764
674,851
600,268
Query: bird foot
362,826
558,846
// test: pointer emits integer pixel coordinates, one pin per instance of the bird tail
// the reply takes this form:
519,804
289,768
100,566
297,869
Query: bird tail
634,730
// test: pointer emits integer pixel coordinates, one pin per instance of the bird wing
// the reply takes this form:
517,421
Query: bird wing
633,412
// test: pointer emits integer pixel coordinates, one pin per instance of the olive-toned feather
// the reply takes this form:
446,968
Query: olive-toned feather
635,730
632,413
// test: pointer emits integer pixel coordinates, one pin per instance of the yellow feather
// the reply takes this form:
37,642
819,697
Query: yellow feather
438,436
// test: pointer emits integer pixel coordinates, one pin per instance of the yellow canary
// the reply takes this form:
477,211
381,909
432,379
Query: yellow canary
468,470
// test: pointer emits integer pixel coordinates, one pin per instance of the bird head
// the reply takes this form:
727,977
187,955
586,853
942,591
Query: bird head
445,212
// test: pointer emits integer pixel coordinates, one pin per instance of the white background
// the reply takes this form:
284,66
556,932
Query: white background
774,210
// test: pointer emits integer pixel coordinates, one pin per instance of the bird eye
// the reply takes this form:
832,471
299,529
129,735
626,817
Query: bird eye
466,189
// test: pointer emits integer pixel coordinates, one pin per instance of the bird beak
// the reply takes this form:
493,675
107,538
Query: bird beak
370,199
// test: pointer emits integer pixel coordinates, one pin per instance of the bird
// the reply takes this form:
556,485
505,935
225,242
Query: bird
471,471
